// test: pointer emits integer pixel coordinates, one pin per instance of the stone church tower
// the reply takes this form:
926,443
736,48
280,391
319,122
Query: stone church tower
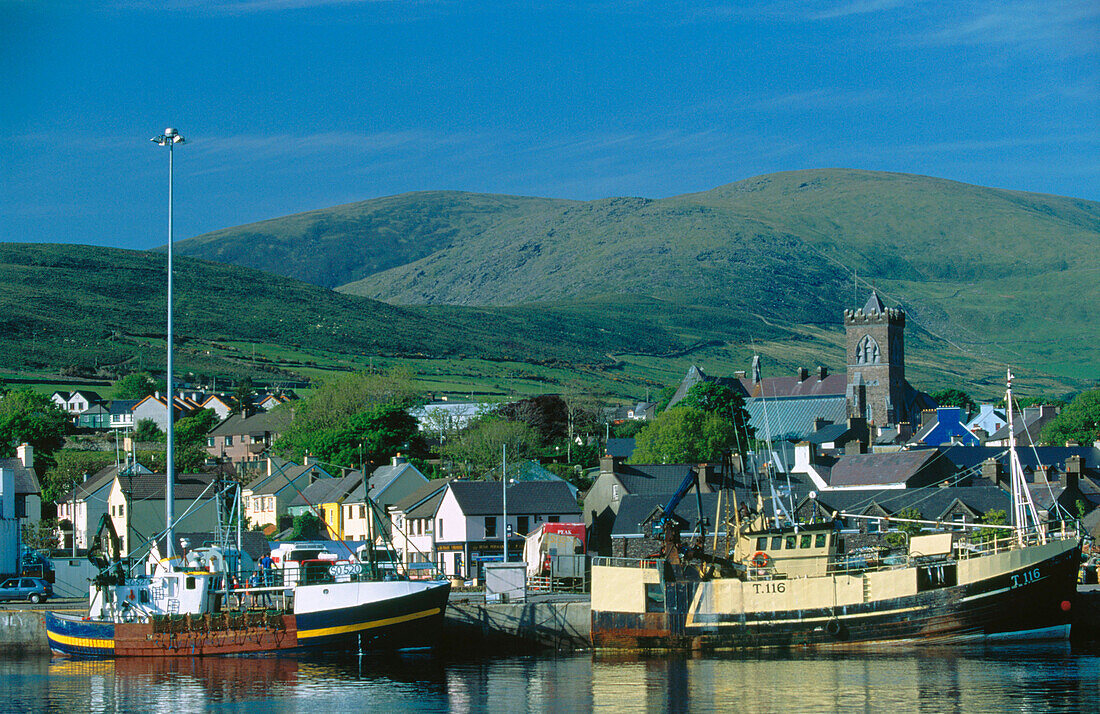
876,362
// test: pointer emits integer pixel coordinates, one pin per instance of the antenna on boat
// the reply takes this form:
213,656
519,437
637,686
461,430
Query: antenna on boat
1023,507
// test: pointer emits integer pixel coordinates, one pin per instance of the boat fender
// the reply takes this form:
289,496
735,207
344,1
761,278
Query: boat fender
833,627
760,559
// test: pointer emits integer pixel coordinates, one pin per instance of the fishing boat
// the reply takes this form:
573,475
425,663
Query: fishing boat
191,606
784,584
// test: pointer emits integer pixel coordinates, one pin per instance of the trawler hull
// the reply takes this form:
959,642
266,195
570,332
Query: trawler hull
1026,593
375,620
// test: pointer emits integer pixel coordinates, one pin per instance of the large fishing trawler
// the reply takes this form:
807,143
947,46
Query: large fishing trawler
783,584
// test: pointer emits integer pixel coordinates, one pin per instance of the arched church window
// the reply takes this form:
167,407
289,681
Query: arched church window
867,351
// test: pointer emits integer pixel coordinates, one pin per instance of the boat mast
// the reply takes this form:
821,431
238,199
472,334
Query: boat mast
1023,508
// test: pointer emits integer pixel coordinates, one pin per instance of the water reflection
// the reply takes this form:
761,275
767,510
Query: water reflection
937,679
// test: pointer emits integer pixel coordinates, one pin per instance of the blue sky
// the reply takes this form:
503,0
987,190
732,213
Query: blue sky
291,105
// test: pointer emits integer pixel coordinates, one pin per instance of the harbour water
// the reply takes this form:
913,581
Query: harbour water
1046,678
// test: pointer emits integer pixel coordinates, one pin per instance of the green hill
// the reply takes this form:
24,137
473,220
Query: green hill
88,310
1003,275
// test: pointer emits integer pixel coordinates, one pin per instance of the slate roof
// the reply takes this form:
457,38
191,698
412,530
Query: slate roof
620,448
874,304
834,385
931,502
967,457
651,478
151,486
479,498
26,481
1032,422
328,490
793,417
634,509
882,468
280,479
124,406
427,507
425,491
828,434
104,477
259,423
383,476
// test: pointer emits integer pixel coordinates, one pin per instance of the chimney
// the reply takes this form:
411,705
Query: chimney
740,374
309,460
607,464
1073,471
991,470
398,460
853,448
822,372
820,423
981,435
26,455
926,417
803,373
905,430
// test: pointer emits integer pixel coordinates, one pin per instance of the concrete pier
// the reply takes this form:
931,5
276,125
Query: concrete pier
548,624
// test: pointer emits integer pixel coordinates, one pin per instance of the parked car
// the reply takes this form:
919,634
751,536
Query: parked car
34,589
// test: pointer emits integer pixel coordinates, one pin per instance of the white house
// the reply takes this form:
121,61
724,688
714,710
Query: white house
469,527
28,492
75,402
86,504
411,521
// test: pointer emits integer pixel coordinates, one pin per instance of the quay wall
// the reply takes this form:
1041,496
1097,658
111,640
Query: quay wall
563,626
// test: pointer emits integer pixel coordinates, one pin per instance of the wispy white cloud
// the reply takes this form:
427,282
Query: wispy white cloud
832,11
1059,26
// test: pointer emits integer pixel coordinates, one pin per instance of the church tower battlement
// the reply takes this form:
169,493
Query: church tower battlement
875,338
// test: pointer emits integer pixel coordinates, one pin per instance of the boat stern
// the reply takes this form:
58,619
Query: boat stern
78,637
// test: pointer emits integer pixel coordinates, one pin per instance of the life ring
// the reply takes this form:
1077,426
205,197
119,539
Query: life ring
833,627
760,559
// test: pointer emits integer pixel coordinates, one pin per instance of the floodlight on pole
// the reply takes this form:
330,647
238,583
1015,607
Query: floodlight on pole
169,138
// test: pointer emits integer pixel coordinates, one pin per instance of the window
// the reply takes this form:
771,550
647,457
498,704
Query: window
122,509
615,492
439,528
553,519
210,441
523,524
805,540
190,585
762,543
819,540
362,511
777,543
144,595
790,543
229,441
490,526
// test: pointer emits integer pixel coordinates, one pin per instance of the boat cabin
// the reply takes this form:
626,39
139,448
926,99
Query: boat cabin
167,593
789,552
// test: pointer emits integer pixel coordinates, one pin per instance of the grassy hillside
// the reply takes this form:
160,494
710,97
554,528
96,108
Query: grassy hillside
86,308
334,246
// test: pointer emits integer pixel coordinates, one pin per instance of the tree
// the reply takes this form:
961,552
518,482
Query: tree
146,430
243,396
993,517
190,437
664,398
307,526
32,418
478,447
719,399
68,470
368,437
905,530
628,429
138,385
545,413
1079,422
339,397
955,398
684,435
42,535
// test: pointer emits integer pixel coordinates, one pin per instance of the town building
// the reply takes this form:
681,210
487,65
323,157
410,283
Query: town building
269,496
137,508
88,503
27,496
469,525
387,486
241,440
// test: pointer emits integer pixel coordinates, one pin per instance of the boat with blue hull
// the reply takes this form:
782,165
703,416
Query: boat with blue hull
321,617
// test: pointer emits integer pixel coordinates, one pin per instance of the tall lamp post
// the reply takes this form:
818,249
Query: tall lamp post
170,138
